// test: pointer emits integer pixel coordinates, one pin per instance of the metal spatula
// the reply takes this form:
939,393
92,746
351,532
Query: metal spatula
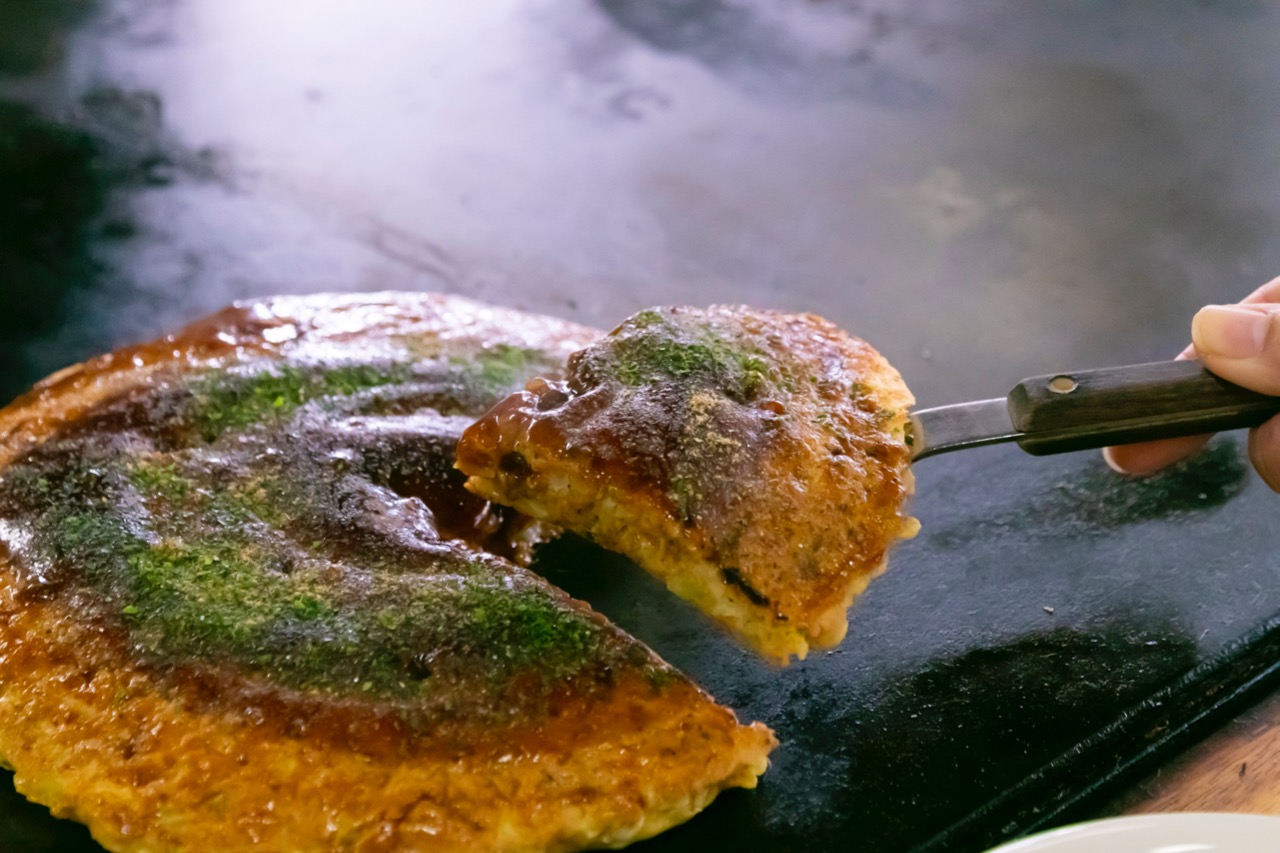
1094,408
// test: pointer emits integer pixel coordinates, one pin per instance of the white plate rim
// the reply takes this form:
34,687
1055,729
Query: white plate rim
1192,831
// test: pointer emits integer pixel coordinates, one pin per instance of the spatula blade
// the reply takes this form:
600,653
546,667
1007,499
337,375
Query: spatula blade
960,426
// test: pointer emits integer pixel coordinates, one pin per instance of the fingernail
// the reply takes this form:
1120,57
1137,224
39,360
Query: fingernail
1229,331
1109,456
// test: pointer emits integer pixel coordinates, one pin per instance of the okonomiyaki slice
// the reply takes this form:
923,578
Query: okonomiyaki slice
245,601
755,461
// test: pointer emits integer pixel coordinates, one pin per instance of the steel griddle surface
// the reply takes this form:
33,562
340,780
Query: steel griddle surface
985,193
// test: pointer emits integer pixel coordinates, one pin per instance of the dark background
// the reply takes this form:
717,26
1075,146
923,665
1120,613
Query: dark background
985,191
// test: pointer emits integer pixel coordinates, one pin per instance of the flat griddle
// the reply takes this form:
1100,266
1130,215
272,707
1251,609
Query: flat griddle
985,193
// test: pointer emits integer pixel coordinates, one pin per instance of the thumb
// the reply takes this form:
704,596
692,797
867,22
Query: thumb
1240,343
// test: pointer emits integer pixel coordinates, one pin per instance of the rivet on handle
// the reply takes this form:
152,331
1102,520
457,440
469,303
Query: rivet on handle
1063,385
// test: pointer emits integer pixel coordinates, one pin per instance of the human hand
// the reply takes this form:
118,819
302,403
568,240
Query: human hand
1240,343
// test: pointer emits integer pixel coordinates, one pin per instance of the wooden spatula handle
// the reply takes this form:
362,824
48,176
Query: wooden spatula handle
1122,405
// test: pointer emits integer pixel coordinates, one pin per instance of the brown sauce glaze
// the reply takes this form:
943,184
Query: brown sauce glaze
286,526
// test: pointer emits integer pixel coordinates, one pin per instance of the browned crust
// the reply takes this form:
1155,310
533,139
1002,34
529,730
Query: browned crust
153,763
770,509
91,737
302,326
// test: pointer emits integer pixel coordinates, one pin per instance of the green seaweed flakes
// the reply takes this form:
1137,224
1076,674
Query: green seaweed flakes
650,347
229,401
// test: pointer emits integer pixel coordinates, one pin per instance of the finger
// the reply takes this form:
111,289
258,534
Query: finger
1240,343
1264,451
1150,456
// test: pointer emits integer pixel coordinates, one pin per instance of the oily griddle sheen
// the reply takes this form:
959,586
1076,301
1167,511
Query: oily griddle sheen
754,460
245,601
